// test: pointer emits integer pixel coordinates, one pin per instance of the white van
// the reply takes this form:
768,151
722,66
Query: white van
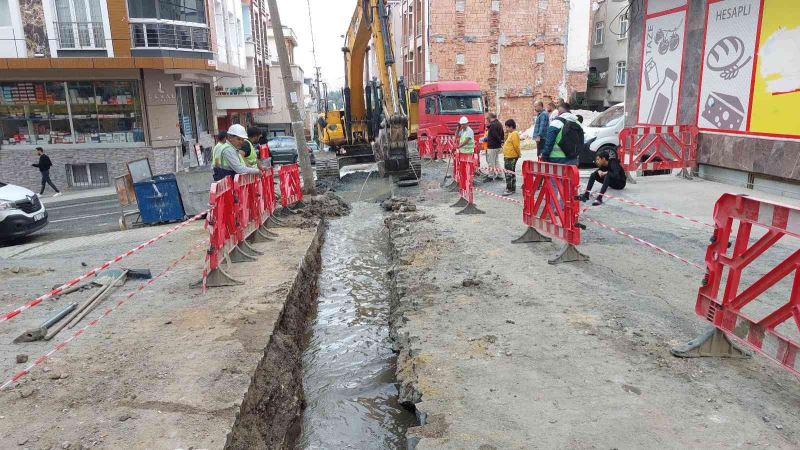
21,212
602,133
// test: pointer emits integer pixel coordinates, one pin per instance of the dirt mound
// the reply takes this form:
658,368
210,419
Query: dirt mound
326,205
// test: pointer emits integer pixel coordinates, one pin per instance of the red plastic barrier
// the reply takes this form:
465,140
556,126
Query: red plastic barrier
425,146
445,144
268,181
550,199
220,222
658,147
245,200
466,172
291,190
724,309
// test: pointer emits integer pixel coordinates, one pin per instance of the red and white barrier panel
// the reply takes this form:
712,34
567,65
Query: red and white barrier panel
723,307
549,193
11,314
239,207
658,147
291,189
40,360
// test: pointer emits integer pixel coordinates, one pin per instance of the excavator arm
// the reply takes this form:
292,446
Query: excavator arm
370,22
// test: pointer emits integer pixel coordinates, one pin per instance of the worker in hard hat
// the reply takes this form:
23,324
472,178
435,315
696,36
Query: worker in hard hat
228,160
465,137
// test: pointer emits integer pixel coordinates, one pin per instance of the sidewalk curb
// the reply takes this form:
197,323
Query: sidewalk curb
55,202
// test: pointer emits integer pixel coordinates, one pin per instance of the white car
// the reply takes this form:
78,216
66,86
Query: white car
602,133
21,212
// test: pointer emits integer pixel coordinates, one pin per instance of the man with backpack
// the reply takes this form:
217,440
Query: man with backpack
564,138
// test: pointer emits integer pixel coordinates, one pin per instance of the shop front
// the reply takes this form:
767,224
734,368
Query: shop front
92,124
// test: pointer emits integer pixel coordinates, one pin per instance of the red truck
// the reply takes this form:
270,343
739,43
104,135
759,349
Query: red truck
442,103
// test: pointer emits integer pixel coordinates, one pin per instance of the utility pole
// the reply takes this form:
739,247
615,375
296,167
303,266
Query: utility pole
293,99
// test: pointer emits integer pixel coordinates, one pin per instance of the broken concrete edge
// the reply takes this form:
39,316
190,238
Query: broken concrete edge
270,415
409,394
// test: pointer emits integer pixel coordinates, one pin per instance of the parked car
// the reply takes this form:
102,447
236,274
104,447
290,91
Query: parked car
283,150
602,134
21,212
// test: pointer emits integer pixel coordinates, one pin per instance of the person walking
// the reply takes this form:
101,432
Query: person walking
511,154
540,125
494,142
228,161
44,166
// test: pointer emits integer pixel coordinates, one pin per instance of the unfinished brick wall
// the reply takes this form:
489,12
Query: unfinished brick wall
511,32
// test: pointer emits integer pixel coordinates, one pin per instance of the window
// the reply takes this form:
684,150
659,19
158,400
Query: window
430,105
178,10
624,24
598,33
79,24
461,103
622,73
72,112
460,58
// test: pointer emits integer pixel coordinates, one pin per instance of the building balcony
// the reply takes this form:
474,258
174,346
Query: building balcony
80,35
154,34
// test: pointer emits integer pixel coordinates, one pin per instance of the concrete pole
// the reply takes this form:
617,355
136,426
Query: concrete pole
293,99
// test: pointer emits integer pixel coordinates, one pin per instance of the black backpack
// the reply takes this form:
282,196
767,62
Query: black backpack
571,138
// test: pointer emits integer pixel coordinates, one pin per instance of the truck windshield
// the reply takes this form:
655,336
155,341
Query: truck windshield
461,103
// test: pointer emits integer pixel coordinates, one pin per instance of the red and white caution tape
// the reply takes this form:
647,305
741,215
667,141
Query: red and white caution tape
40,360
654,209
646,244
11,314
497,196
608,227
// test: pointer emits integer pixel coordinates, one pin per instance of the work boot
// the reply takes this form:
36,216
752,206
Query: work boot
507,193
584,197
598,202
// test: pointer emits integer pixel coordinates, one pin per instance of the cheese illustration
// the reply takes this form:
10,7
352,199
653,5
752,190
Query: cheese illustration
724,111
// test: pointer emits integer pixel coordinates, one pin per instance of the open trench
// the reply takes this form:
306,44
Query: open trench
327,378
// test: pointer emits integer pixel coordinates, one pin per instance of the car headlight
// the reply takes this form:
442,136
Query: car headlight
5,204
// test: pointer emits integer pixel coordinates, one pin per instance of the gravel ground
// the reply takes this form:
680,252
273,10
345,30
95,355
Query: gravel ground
499,349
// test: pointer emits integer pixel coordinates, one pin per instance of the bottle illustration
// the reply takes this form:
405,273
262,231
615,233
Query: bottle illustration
662,101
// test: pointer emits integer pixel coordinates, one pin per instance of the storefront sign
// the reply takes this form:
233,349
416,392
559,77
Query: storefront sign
749,80
662,60
159,89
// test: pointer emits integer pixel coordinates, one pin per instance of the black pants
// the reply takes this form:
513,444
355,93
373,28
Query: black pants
46,180
608,181
511,179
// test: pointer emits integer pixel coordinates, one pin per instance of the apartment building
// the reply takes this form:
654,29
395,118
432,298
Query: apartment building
518,50
100,83
608,56
237,99
276,119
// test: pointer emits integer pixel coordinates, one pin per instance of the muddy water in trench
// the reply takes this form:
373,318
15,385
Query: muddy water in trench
348,362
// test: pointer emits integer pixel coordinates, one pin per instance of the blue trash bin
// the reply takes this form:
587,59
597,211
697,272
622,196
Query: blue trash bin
159,199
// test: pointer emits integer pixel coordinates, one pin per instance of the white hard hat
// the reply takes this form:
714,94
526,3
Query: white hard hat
463,120
237,130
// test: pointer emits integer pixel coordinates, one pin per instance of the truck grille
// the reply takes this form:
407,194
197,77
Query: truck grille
29,206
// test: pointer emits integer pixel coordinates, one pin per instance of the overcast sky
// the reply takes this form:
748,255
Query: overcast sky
331,19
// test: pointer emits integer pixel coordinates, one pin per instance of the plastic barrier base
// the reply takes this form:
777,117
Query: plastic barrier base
470,209
531,235
568,253
686,174
219,278
462,202
246,246
453,187
257,237
264,230
238,255
712,343
274,222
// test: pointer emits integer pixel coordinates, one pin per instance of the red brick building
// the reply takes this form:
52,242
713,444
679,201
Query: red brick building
518,50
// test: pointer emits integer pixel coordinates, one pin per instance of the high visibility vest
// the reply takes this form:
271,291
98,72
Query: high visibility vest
216,154
223,163
252,159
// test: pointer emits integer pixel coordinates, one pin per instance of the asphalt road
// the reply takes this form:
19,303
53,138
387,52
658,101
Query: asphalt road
83,219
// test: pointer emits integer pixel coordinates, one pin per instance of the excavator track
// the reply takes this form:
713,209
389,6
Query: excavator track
327,166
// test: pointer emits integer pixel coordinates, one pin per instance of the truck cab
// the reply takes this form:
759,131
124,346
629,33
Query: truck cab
442,103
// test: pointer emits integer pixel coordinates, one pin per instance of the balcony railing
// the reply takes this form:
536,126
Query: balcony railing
160,35
80,35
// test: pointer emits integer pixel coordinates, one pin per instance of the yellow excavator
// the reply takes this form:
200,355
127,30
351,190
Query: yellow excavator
374,124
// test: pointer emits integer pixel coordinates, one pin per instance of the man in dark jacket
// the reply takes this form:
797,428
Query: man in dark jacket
44,166
609,172
495,136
